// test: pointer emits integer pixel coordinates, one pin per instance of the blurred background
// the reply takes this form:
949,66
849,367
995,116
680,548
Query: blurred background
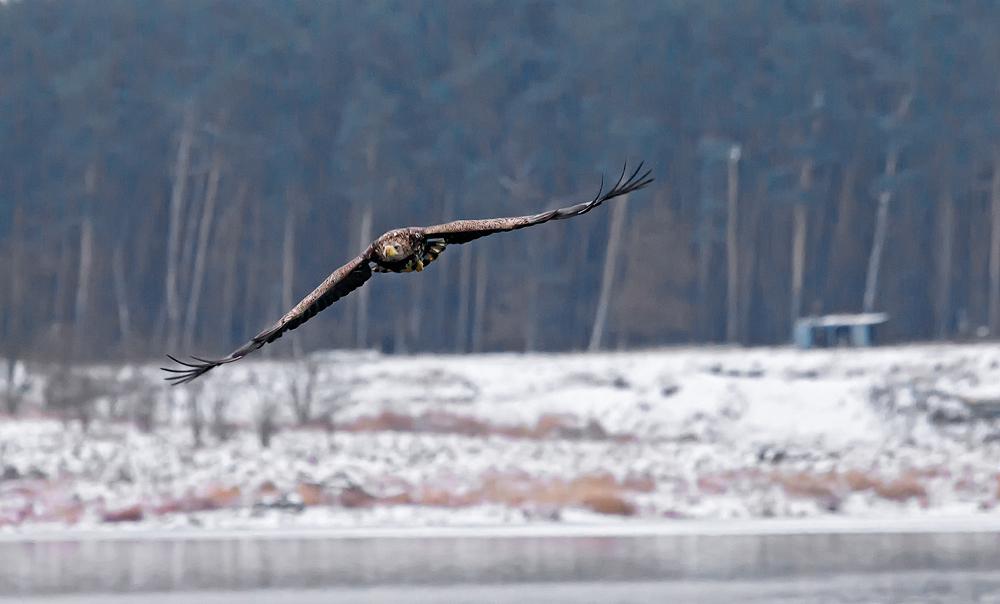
175,175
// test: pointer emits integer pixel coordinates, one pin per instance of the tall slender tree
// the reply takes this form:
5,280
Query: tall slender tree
894,125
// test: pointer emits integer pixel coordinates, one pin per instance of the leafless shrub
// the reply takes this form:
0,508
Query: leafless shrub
134,397
144,412
330,396
221,428
302,390
325,421
266,424
13,397
195,416
73,394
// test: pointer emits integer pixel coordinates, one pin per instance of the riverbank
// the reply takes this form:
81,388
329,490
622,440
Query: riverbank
517,440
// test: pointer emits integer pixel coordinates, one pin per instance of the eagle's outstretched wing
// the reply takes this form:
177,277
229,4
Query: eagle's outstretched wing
463,231
341,282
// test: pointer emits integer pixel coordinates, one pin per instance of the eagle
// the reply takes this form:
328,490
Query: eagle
398,251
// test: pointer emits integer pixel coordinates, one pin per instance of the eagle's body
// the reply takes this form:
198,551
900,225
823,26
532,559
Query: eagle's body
404,251
398,251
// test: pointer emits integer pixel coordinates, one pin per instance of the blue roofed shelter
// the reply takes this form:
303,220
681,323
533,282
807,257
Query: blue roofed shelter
831,329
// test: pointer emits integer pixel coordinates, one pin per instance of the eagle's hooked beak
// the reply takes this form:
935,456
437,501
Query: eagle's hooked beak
390,251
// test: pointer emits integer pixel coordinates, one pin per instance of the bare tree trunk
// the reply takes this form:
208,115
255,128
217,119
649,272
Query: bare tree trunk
3,295
288,272
801,216
207,216
480,302
798,258
610,262
437,334
533,284
994,318
882,219
399,337
13,398
750,269
362,294
252,297
464,279
83,280
118,267
173,228
703,312
5,349
17,285
732,253
944,266
233,236
842,233
12,342
288,259
189,240
60,295
881,224
531,318
415,318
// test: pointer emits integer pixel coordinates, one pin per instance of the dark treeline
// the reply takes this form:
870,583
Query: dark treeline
173,175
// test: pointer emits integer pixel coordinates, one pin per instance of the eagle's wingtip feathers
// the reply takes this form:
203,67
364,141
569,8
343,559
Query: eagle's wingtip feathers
195,370
624,186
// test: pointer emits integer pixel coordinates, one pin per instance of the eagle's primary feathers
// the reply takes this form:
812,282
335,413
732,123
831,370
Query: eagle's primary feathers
398,251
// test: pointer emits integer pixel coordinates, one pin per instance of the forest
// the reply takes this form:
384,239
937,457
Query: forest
174,175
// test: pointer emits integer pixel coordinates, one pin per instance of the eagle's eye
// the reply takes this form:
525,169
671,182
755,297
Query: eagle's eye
390,250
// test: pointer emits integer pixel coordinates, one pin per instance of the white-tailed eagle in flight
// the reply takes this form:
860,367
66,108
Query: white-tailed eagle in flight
398,251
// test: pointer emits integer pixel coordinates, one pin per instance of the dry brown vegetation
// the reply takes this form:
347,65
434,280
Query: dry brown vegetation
601,493
828,488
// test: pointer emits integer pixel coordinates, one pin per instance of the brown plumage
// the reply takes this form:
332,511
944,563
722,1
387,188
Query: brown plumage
398,251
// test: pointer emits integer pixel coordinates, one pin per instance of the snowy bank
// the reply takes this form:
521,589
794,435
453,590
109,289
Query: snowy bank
693,433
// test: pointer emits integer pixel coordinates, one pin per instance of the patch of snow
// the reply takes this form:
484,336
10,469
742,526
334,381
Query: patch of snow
720,433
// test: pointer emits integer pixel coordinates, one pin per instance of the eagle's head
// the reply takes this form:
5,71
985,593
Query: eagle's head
391,250
394,246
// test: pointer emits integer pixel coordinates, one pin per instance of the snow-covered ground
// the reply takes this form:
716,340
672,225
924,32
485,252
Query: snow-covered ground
432,440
